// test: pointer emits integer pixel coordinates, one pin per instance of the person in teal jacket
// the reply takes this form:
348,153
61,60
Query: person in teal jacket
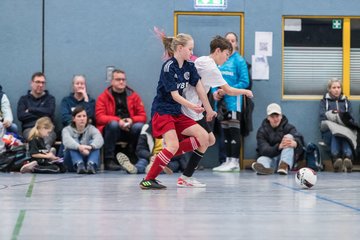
235,73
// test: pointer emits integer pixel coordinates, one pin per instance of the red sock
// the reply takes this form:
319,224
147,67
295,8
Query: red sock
161,160
187,145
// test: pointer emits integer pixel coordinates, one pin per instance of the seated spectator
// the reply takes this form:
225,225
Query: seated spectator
338,127
6,116
146,151
78,96
279,144
120,115
42,160
35,104
82,142
2,144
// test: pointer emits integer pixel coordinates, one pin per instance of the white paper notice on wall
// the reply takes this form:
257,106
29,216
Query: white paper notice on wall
263,43
259,67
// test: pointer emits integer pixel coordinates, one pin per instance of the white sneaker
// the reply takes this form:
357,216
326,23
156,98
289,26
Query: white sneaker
125,163
218,168
232,166
235,167
191,182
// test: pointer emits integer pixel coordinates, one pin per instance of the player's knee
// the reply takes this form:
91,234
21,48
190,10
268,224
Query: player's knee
172,147
212,140
203,138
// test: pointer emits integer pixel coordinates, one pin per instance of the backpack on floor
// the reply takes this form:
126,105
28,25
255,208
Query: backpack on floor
13,159
313,157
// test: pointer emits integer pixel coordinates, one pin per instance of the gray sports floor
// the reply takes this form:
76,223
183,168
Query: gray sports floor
243,205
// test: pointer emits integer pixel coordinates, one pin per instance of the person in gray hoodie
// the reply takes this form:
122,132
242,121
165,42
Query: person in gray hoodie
82,142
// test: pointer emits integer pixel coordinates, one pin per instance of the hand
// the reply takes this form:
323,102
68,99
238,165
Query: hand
51,156
85,149
84,93
152,158
210,116
129,121
197,108
219,94
249,93
6,123
287,143
125,124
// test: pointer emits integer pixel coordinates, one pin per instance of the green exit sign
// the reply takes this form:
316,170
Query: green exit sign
210,4
336,23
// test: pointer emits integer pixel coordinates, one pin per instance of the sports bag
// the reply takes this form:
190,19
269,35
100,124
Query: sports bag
13,159
312,157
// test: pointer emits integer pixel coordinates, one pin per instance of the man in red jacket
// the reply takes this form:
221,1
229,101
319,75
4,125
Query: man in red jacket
120,115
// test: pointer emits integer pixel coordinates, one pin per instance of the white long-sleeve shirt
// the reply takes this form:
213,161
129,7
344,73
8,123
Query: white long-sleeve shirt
5,109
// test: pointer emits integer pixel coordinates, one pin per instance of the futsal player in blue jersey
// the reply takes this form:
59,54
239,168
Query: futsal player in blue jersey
168,121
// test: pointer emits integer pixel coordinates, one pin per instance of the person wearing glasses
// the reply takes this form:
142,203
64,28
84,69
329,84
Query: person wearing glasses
37,103
120,115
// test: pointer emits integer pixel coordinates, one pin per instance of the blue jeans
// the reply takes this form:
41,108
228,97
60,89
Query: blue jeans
340,147
141,165
174,165
287,156
113,133
73,157
13,128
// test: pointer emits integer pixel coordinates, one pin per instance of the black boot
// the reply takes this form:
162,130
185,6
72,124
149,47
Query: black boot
111,165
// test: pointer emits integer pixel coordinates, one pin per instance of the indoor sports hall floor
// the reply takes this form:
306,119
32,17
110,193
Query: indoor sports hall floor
110,205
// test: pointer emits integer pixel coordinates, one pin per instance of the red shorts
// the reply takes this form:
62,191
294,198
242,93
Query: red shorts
163,123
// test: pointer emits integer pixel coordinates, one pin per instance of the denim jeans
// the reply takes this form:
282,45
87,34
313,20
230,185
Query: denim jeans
113,133
141,165
13,128
340,147
72,157
174,165
287,156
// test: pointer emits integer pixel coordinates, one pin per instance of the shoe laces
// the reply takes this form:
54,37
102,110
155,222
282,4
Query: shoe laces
157,181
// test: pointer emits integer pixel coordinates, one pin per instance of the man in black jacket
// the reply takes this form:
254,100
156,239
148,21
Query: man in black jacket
279,144
35,104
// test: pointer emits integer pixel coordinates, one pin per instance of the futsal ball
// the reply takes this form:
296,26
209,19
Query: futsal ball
306,177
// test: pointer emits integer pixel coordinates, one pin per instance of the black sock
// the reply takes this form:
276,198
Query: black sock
194,160
235,142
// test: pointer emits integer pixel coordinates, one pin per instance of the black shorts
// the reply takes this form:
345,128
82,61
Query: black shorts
202,122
